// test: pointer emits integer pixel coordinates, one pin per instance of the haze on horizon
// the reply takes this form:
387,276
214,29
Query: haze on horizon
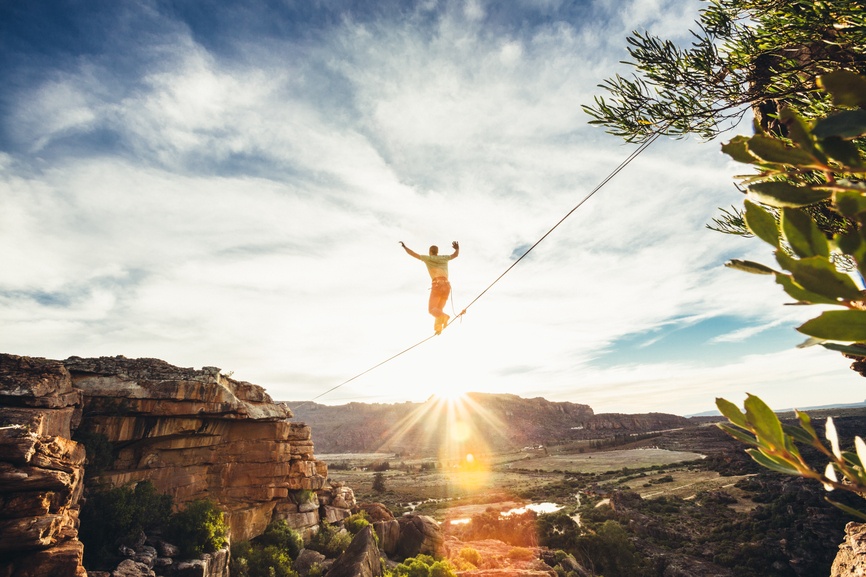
226,184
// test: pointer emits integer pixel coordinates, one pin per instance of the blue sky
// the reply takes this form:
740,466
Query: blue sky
220,183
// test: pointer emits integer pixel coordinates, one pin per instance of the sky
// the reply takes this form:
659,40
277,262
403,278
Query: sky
226,184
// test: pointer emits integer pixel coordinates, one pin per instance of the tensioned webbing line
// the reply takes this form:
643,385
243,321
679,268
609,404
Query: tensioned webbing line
643,146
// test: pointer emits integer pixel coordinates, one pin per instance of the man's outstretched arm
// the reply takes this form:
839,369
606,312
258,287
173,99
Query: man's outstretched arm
456,252
409,250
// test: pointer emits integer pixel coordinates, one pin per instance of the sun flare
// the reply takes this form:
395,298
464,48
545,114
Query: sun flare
450,395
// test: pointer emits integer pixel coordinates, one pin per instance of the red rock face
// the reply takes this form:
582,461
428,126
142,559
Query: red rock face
197,434
192,433
41,469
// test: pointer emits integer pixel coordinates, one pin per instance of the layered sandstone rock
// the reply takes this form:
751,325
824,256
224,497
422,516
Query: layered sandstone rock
851,559
361,558
41,469
199,434
419,535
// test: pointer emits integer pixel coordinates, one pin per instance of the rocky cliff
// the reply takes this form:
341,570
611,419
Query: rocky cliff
192,433
502,422
197,434
41,469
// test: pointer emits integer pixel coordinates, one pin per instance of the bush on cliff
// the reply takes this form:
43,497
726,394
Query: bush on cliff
354,523
268,555
283,537
254,560
199,528
118,516
330,540
422,566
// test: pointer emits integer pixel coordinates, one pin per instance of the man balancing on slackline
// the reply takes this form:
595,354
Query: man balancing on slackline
437,266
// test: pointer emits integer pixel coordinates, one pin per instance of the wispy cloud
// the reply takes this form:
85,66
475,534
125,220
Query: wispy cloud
226,185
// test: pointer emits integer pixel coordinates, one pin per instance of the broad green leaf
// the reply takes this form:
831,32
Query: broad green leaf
775,151
806,423
843,151
846,325
846,88
856,351
801,295
762,223
800,134
764,421
784,194
846,124
802,234
850,510
797,434
732,412
771,463
849,202
736,149
790,445
818,275
749,266
738,434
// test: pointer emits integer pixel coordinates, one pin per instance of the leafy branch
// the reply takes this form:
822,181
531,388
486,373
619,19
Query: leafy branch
774,446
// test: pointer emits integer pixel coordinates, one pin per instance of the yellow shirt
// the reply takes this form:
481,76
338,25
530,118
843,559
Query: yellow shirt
436,265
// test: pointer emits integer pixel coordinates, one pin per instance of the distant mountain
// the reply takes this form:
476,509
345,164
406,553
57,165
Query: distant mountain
480,423
860,405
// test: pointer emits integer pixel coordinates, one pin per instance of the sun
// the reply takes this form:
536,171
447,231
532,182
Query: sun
450,394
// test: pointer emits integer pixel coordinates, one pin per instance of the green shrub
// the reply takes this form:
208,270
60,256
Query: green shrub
199,528
610,551
470,555
115,516
521,553
356,522
268,555
270,561
422,566
283,537
330,541
379,483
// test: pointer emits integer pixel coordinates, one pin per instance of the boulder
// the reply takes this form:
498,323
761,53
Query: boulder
374,511
130,568
389,535
851,559
419,534
361,558
305,561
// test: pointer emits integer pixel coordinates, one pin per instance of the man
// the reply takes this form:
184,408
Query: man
437,266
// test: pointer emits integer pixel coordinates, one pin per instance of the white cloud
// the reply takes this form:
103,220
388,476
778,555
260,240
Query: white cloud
250,214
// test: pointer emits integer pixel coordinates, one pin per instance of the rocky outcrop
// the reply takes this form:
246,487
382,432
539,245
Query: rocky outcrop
851,559
419,535
387,528
41,469
640,423
200,434
361,558
307,559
